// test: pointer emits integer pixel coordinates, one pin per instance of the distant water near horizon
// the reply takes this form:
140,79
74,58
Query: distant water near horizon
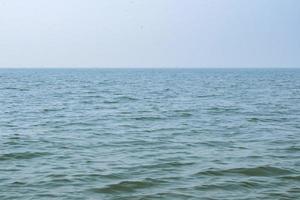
139,134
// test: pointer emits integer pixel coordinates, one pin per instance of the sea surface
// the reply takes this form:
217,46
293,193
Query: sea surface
138,134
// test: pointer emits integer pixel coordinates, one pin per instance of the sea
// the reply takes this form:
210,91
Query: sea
143,134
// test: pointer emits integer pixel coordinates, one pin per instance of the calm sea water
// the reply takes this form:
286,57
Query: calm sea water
150,134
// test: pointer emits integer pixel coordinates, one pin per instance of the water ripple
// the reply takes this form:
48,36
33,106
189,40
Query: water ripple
142,134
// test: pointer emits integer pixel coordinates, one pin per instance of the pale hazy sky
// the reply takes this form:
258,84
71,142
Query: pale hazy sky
149,33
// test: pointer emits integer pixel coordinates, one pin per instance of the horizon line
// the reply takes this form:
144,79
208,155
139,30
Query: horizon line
149,68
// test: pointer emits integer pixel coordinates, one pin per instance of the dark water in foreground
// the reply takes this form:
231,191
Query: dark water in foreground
150,134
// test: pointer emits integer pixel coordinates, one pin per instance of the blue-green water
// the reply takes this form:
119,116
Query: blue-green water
150,134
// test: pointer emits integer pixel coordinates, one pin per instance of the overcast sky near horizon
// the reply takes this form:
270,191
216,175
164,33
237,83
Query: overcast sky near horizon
149,33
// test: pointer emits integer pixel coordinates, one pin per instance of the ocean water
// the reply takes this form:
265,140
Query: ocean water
149,134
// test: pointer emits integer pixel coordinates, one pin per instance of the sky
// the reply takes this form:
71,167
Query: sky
149,33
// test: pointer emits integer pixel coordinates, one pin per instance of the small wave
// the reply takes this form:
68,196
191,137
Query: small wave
94,97
127,98
183,113
165,165
256,171
95,176
18,183
257,120
228,186
295,178
293,149
249,184
207,96
11,143
167,195
61,180
222,110
23,155
18,89
46,110
56,175
88,102
80,124
253,119
128,186
120,100
163,130
110,102
147,118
